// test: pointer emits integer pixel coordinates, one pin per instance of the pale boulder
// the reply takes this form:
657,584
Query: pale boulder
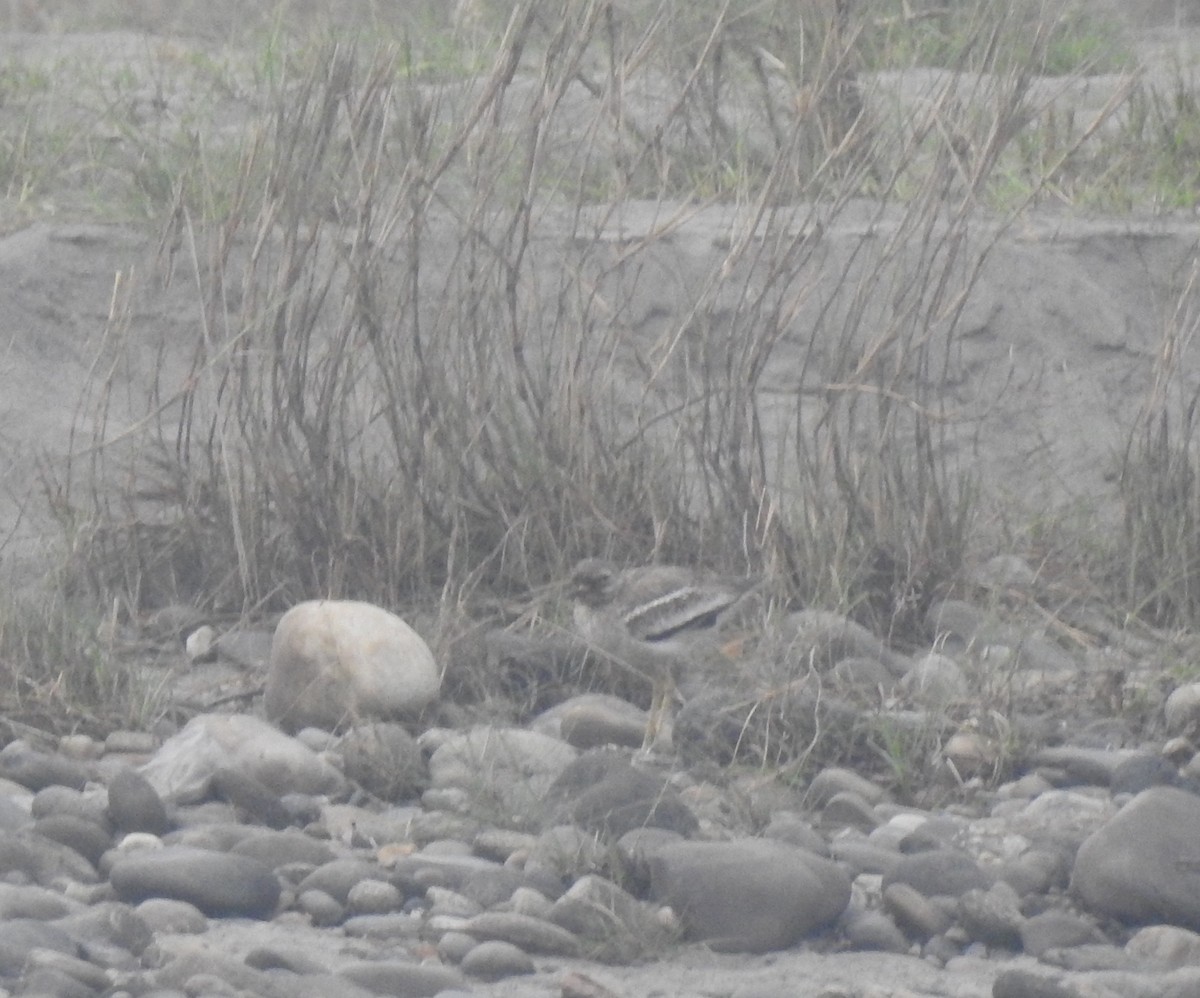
183,769
334,662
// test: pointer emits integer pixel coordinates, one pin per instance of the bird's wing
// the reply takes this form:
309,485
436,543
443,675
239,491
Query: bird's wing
660,610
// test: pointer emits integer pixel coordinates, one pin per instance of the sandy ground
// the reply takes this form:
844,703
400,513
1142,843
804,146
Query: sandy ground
1062,334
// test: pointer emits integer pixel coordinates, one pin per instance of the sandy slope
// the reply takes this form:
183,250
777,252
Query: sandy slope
1060,339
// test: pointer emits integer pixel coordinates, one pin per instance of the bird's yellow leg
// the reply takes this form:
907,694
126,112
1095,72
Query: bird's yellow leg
660,704
654,718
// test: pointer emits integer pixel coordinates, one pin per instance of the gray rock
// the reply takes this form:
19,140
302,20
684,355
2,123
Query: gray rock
29,901
19,937
384,760
527,901
1036,871
916,914
452,947
219,884
615,925
56,800
217,973
170,915
13,817
394,977
87,838
635,849
506,771
833,780
494,960
1057,930
108,925
483,881
863,856
25,765
567,851
961,625
593,720
1023,983
934,680
53,981
526,931
339,877
322,908
247,649
938,873
447,902
1063,817
873,930
602,792
791,828
278,848
1084,765
861,675
992,916
1131,869
1142,771
43,860
89,975
335,662
749,895
252,798
848,810
1166,945
182,769
824,638
134,805
373,897
1182,709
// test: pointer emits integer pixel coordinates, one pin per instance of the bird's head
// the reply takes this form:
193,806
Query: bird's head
592,581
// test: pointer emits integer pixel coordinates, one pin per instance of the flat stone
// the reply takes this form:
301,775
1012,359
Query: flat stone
938,872
525,931
219,884
749,895
394,977
495,959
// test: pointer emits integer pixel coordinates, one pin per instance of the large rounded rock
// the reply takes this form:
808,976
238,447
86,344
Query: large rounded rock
334,662
1135,869
182,770
219,884
751,895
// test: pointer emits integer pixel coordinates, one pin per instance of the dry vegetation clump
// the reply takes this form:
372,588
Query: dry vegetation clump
424,373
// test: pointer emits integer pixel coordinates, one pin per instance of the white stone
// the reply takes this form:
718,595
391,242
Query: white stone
1182,709
334,662
201,644
183,767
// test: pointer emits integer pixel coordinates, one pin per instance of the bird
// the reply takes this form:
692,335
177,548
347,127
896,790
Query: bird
652,620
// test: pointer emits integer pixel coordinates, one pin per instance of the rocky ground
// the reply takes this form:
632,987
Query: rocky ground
555,858
223,856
